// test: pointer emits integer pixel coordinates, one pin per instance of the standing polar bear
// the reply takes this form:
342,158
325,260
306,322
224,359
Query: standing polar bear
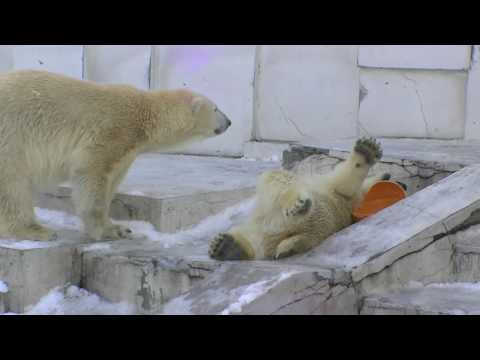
55,129
294,213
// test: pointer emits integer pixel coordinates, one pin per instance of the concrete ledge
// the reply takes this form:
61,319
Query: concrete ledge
435,299
265,151
431,57
144,273
449,155
408,226
31,269
467,255
262,288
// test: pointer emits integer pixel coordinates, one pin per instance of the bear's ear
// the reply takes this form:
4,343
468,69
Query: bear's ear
197,103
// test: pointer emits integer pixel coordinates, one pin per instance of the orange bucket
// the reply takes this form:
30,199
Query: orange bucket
380,196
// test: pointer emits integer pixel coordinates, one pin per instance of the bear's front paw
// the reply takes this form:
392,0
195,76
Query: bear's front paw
300,207
224,247
284,250
115,232
370,149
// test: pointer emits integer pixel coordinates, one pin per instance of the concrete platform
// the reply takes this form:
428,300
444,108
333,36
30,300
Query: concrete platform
418,239
457,153
435,299
174,192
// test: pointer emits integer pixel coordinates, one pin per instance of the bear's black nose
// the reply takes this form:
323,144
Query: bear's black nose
229,123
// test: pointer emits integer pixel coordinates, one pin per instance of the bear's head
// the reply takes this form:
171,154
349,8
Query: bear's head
208,119
179,118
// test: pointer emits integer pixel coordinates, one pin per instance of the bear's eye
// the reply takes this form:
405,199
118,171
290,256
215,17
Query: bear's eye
358,165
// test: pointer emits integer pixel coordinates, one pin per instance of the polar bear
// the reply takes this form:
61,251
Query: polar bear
293,213
55,129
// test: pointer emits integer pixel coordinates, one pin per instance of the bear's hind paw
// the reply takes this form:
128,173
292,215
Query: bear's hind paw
224,247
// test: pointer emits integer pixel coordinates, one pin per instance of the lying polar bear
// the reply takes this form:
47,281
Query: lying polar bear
294,213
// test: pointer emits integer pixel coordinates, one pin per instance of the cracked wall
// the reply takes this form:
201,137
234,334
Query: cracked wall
284,93
413,103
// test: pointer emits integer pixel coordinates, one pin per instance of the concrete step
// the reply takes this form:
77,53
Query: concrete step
434,299
33,268
174,192
146,270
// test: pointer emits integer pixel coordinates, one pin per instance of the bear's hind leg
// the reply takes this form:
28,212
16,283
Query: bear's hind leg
17,218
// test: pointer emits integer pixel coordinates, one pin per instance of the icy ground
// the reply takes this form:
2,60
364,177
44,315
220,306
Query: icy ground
72,300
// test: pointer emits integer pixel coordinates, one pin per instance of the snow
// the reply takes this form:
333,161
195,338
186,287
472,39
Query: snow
206,229
232,300
178,306
446,286
58,220
134,193
247,294
3,287
55,220
269,159
72,300
97,247
24,244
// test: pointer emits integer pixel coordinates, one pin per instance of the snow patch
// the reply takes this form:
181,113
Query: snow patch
247,294
58,220
206,229
134,193
94,247
55,220
3,287
455,286
24,244
72,300
178,306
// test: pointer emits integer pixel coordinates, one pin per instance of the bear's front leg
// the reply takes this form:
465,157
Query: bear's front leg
297,204
91,199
